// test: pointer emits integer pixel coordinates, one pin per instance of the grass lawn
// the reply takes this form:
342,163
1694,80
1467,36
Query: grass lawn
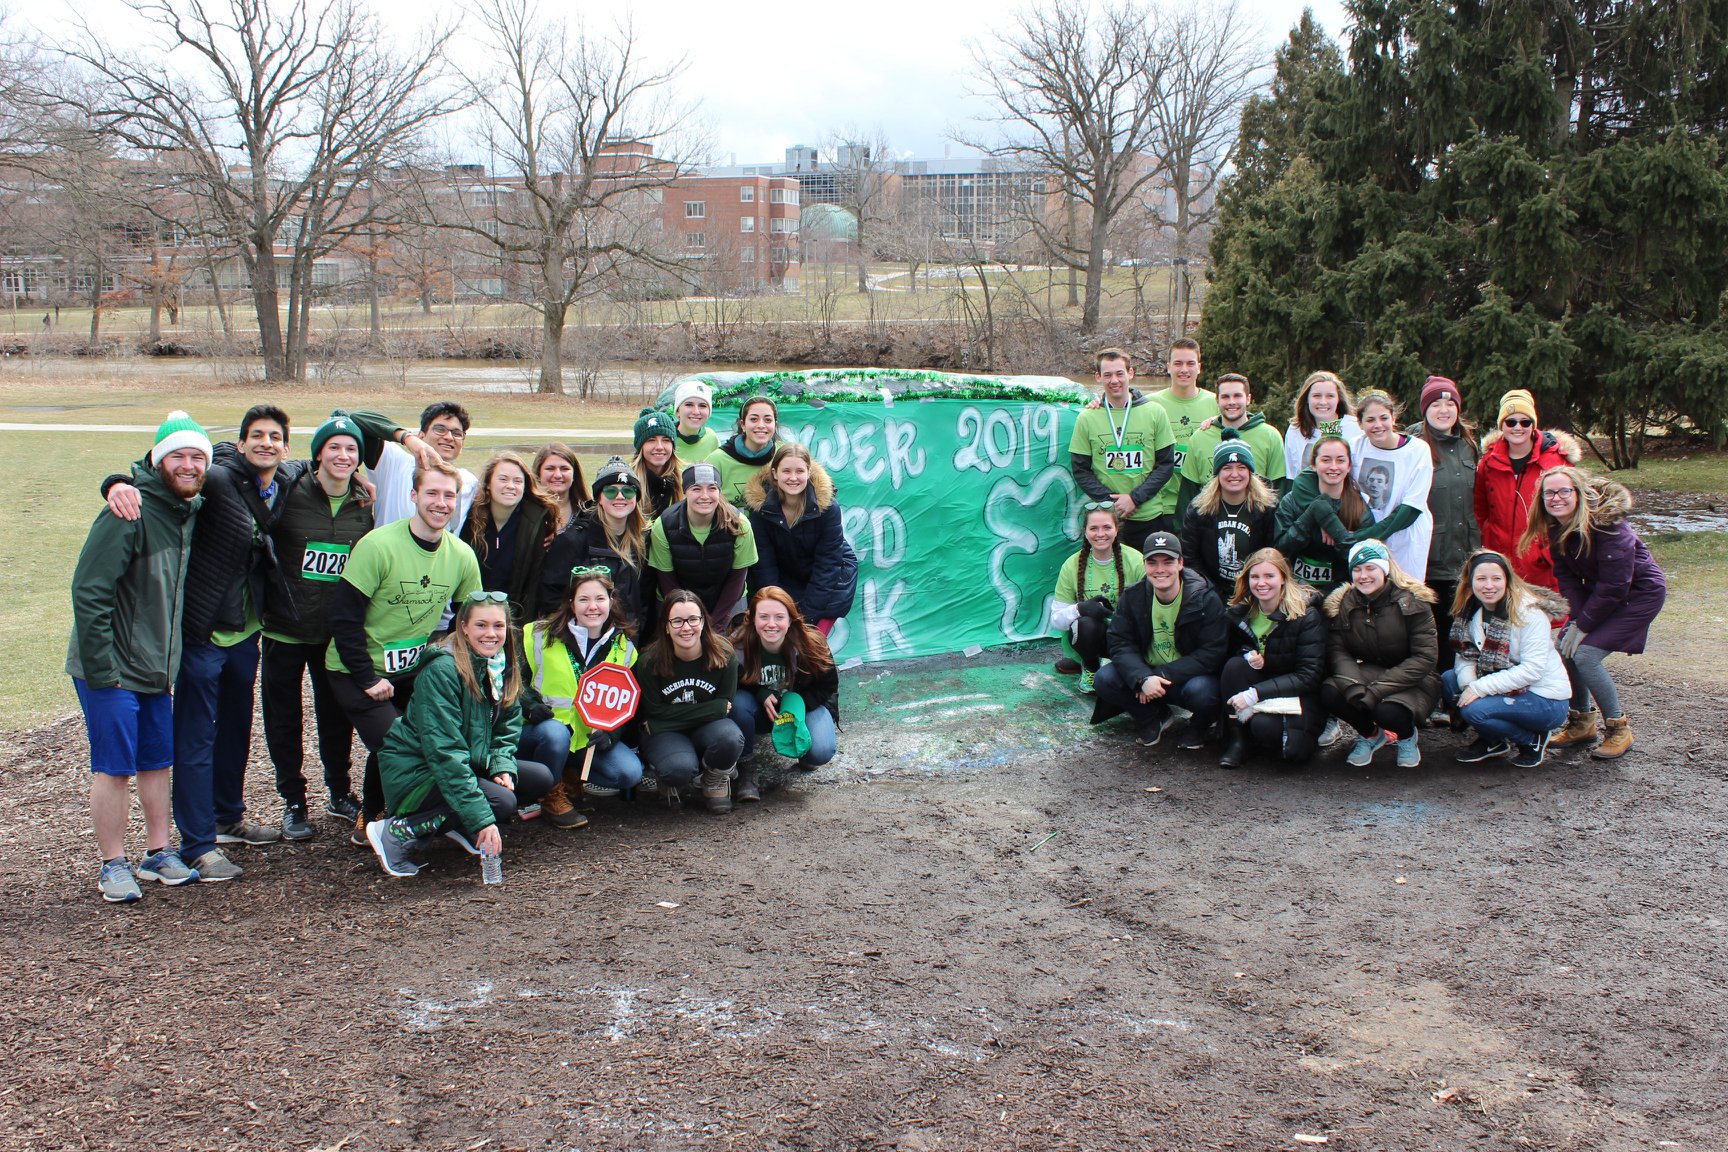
52,483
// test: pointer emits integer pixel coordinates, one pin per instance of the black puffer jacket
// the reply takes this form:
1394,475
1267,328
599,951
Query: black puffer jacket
811,559
232,550
1202,634
583,545
1295,650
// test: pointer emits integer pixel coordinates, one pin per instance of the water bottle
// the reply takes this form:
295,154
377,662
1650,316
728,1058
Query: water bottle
491,868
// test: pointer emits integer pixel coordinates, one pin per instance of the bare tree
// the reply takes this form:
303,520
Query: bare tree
1075,90
282,116
863,179
585,134
1216,63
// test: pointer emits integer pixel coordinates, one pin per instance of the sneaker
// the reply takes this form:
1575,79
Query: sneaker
1409,753
244,831
357,834
343,807
1481,749
166,867
599,791
1150,734
1532,755
460,839
1192,739
1067,666
389,840
294,823
214,867
1363,751
117,884
648,783
528,812
1332,733
1088,683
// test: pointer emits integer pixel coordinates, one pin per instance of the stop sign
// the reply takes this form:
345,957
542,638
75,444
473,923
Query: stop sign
607,696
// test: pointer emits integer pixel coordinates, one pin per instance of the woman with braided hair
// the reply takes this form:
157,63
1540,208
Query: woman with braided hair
1090,584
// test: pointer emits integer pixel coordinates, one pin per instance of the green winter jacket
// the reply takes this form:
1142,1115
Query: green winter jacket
446,740
127,592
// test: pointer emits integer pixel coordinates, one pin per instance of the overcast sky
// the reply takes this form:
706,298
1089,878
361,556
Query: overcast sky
772,76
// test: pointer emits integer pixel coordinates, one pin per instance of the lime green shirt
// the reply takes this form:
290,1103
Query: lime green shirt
1186,416
1260,624
224,639
1124,453
1265,441
734,473
407,589
1163,650
697,450
660,552
1100,578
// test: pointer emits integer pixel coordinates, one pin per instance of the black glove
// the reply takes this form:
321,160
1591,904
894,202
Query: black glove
1097,608
600,741
537,713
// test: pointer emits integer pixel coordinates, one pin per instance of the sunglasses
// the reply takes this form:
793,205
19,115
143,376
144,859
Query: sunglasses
481,597
1517,422
584,573
614,491
1098,506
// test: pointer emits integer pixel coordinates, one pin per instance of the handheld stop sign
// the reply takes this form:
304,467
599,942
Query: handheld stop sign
607,696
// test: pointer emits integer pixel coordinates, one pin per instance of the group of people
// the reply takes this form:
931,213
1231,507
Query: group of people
1271,585
452,622
1355,569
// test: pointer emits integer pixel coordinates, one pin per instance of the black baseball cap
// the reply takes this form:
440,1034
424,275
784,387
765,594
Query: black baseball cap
1162,544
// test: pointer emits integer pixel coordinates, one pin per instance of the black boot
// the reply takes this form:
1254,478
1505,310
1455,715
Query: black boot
746,790
1235,752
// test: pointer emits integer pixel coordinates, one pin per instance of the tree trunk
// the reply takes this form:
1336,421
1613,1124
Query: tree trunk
1094,282
266,301
377,315
95,303
216,296
154,335
551,351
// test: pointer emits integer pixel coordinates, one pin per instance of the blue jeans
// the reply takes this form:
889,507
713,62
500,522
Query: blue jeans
1198,694
212,739
548,743
1520,719
752,719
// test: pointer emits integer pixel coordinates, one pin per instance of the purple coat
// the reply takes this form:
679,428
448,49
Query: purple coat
1615,589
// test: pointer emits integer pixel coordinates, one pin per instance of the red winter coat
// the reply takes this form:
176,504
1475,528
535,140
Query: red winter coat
1503,501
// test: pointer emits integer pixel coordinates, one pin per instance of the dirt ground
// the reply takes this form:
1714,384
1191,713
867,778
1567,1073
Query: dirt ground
984,927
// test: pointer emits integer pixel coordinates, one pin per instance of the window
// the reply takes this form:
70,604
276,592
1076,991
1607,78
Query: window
695,209
782,225
695,240
746,195
782,195
747,255
746,223
782,255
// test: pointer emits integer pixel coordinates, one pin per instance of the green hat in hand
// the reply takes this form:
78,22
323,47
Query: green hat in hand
791,731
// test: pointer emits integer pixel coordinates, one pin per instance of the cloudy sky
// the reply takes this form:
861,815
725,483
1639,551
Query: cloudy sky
768,77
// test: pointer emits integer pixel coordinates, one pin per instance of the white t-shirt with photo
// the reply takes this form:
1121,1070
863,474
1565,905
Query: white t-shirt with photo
1299,449
1402,475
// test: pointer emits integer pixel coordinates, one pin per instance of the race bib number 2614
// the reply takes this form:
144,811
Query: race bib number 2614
1124,459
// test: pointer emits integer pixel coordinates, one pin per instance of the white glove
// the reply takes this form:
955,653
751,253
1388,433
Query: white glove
1244,700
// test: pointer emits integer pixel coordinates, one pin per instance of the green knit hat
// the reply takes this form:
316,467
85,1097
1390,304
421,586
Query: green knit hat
177,432
652,423
1232,449
339,424
1371,552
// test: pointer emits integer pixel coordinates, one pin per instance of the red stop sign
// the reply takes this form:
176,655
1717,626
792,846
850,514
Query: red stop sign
607,696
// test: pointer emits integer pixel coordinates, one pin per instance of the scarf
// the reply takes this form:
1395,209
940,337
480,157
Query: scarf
495,673
1495,654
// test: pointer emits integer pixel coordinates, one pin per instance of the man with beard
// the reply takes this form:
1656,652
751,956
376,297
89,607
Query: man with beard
125,653
394,590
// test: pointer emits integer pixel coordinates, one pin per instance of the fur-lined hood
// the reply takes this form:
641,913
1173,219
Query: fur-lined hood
1562,442
1408,598
821,490
1545,600
1614,503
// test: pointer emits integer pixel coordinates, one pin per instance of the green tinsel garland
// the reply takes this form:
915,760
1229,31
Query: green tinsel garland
865,386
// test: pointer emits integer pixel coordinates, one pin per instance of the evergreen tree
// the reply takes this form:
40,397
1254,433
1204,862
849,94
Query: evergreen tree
1516,194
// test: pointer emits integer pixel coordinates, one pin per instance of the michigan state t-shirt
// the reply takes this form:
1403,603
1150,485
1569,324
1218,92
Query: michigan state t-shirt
407,589
1123,446
1163,650
1186,416
1235,535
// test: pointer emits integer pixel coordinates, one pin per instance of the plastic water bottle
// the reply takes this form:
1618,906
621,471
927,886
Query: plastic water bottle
491,868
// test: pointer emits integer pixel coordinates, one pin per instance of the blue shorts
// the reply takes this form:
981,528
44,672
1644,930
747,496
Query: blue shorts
130,732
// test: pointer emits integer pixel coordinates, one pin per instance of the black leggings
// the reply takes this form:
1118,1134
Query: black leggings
1294,738
1395,718
1444,591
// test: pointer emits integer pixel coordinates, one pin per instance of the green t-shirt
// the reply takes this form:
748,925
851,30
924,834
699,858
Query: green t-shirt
1100,579
660,552
694,452
1186,417
407,589
734,473
1265,441
224,639
1124,454
1260,624
1163,650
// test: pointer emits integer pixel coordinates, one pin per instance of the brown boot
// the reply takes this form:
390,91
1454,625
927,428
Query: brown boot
717,789
1580,730
1617,740
558,809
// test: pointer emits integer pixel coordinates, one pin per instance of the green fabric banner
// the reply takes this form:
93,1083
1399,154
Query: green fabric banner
961,512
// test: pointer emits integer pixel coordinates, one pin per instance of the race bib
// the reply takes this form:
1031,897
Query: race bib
1124,459
400,656
1315,572
324,562
1181,455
